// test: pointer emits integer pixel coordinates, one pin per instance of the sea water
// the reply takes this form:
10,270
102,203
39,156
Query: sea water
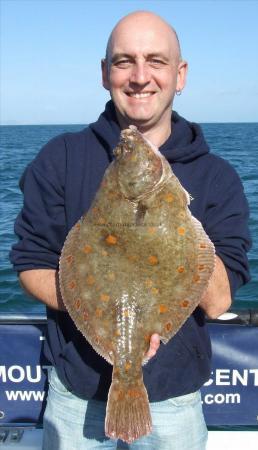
236,142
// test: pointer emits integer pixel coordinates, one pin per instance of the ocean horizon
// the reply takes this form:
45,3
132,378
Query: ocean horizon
77,124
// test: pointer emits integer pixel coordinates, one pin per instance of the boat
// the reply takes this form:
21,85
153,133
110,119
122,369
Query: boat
230,396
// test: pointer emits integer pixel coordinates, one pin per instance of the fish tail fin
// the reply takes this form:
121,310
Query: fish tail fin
128,413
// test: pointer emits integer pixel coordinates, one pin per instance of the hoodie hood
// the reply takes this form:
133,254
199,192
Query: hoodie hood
185,143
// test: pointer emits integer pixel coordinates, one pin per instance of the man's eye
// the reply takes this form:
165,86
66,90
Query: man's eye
156,62
122,63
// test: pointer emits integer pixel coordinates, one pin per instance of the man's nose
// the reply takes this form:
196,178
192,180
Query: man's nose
140,73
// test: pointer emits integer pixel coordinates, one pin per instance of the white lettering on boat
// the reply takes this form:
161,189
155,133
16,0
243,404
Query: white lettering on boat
17,374
25,395
233,377
219,399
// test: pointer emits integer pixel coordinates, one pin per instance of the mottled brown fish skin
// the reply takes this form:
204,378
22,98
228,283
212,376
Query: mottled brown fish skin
137,263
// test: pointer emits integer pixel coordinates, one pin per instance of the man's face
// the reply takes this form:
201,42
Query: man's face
142,73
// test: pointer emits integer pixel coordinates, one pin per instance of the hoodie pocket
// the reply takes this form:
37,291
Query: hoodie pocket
79,374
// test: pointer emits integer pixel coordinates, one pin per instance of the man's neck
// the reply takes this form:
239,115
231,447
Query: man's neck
157,134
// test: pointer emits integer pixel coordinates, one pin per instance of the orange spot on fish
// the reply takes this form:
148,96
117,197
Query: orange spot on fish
77,303
180,269
69,259
169,198
202,245
134,393
78,226
87,249
181,231
163,309
126,313
201,266
111,239
116,371
104,297
168,326
98,312
95,210
196,278
153,260
71,285
90,280
117,332
152,230
185,303
127,366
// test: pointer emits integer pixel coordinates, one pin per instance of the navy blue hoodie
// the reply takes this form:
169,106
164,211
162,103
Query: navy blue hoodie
59,186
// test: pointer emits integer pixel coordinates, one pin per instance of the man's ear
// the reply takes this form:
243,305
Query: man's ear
104,70
181,75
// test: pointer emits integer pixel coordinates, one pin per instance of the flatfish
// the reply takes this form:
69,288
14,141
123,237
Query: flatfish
135,264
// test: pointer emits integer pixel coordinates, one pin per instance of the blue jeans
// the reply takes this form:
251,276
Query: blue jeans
71,423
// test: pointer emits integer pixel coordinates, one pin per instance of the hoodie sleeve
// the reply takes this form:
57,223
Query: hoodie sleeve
41,224
226,223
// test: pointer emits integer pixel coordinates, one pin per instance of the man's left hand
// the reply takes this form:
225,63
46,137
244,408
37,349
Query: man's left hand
154,345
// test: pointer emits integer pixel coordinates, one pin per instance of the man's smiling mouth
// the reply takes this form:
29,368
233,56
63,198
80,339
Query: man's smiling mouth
139,94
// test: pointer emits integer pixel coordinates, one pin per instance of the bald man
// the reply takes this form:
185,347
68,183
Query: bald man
143,70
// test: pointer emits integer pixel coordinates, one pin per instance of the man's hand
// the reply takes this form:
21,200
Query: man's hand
154,345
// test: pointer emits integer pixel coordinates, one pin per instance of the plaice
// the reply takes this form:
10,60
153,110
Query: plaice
135,264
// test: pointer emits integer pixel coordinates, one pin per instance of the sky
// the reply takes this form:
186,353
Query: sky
51,51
